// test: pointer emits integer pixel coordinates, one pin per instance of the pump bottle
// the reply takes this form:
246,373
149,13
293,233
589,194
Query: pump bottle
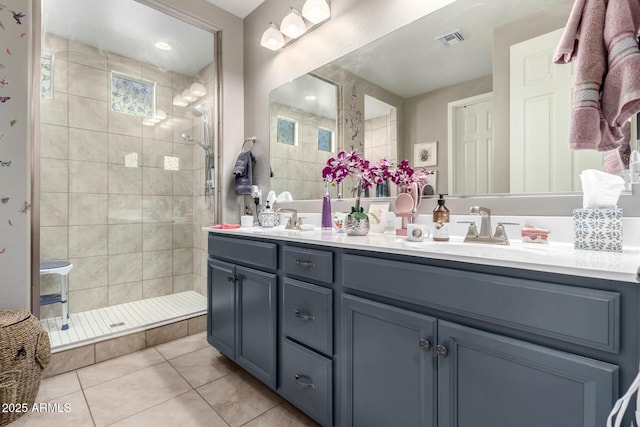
441,221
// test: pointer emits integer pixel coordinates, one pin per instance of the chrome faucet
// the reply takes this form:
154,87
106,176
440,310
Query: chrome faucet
294,222
485,235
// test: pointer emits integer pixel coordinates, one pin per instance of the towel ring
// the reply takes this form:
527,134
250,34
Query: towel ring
252,140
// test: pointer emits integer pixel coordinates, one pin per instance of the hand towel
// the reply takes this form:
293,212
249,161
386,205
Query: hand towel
243,170
602,35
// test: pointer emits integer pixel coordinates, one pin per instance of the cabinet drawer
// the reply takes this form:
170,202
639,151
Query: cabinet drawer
582,316
307,314
308,263
249,252
307,381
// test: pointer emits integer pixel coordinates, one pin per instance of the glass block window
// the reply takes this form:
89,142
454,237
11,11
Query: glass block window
287,131
325,140
46,75
132,96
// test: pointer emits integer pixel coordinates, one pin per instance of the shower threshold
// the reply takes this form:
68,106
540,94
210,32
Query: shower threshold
106,323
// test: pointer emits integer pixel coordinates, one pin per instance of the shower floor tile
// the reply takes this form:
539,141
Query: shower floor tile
110,322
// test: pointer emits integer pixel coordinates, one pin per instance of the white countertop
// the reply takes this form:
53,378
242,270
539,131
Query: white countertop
553,257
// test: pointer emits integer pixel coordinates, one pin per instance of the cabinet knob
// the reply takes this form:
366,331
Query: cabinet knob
425,345
231,279
442,351
303,316
304,384
304,264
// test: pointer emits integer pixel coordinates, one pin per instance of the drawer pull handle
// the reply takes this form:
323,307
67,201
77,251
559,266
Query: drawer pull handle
425,345
304,384
231,279
304,264
304,316
442,351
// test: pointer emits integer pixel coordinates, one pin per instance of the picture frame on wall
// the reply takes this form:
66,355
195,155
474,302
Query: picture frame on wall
425,154
377,216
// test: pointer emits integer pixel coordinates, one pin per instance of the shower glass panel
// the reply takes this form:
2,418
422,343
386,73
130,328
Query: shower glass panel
122,195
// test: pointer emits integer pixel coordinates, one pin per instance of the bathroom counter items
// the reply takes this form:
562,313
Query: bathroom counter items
554,257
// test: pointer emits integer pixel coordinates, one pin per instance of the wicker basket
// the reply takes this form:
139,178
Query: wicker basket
24,352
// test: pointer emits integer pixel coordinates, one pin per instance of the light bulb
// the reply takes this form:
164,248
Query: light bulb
292,25
316,10
272,38
186,95
179,101
197,89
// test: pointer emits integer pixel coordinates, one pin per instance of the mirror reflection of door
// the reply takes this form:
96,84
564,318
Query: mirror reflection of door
541,95
471,157
380,134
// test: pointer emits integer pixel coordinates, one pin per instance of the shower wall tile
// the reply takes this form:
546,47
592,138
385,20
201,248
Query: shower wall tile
157,287
125,268
88,82
162,77
60,80
88,272
125,180
55,111
127,292
182,283
156,237
125,209
197,261
154,151
182,261
54,209
87,240
125,238
54,175
54,142
87,209
123,145
87,177
157,264
87,299
162,131
182,209
55,45
157,209
182,236
157,182
184,152
124,65
124,124
50,284
180,81
87,55
183,183
86,113
54,243
182,122
164,99
88,146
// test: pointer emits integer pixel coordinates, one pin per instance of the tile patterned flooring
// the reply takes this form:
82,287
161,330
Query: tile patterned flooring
185,382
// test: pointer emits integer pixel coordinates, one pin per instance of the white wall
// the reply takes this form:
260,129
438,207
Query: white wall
353,24
17,142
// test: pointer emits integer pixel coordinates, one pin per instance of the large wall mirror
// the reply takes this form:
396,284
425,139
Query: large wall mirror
474,86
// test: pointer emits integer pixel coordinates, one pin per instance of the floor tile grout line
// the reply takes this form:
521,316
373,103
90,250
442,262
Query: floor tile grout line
151,407
86,401
209,403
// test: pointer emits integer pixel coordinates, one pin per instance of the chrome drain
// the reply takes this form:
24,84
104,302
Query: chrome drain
115,325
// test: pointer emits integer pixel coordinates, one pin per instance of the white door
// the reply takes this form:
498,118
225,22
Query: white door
541,96
471,164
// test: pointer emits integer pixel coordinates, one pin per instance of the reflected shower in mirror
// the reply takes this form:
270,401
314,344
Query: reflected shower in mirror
476,77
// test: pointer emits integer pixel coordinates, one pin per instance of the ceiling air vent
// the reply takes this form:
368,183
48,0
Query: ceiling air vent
451,38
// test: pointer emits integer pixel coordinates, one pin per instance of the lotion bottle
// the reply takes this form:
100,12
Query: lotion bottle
441,221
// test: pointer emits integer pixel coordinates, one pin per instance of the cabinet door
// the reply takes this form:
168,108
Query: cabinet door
256,323
221,313
487,380
388,367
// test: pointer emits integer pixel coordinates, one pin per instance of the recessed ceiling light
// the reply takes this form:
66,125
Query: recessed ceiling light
310,97
163,46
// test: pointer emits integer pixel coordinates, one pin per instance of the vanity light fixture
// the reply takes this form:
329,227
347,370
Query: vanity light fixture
160,115
179,101
293,25
197,89
316,11
272,38
187,96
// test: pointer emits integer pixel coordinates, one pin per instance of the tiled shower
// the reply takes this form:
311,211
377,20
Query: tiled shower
121,200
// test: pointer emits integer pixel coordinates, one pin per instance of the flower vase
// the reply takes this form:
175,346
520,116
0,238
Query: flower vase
357,222
327,220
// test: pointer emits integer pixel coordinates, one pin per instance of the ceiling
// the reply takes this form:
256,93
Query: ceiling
131,29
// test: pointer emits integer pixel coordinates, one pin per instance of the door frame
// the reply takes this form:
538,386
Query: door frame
451,134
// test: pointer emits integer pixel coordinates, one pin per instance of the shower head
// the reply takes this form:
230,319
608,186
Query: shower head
199,111
187,137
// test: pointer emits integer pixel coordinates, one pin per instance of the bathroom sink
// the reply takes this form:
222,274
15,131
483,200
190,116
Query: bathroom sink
483,250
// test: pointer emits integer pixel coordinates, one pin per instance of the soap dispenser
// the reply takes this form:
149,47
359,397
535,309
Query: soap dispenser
441,221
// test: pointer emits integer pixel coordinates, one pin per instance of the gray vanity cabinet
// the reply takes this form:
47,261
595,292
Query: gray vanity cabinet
389,369
242,306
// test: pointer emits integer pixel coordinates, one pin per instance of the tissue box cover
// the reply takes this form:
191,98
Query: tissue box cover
598,229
